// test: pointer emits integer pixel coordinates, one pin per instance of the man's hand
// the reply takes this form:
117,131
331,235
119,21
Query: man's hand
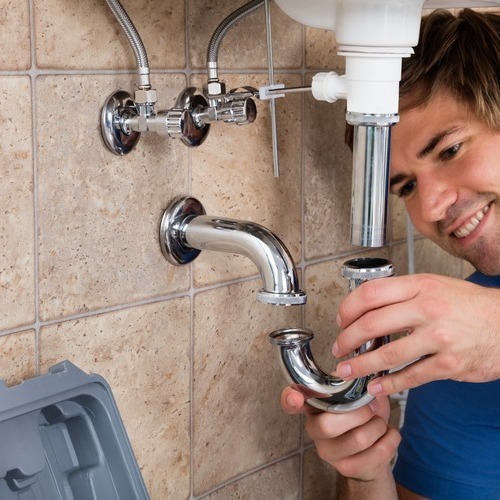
358,444
453,327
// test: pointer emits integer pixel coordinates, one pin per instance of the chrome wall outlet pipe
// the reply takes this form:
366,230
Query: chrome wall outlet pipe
185,230
323,391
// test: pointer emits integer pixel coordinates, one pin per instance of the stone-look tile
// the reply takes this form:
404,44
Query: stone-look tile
238,422
319,480
17,354
14,35
233,178
99,214
399,257
398,216
321,51
143,353
325,289
466,269
17,292
280,480
328,171
85,34
429,258
244,45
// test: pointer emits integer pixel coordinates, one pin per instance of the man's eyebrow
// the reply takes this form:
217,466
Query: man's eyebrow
426,150
397,179
435,140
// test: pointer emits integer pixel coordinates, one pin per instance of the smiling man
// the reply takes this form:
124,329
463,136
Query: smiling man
445,165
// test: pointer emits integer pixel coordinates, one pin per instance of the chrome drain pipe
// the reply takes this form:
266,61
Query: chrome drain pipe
323,391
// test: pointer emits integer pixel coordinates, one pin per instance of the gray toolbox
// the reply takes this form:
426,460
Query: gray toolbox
62,438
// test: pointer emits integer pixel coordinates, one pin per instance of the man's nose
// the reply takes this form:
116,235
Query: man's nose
436,197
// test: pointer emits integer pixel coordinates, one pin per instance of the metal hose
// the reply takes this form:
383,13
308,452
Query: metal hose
135,42
220,33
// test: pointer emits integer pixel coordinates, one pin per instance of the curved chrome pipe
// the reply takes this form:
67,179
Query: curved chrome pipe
185,230
323,391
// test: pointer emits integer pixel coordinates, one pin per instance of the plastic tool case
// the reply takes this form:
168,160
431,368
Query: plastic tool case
62,438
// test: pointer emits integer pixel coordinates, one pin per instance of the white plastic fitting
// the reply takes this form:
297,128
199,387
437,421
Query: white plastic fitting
372,81
328,87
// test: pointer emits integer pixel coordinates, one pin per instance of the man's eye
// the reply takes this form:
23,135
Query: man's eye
406,189
449,153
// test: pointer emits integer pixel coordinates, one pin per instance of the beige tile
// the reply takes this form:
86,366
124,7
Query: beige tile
466,269
17,352
244,45
319,478
429,258
14,35
100,213
85,34
17,293
321,51
279,480
233,178
328,171
399,257
399,218
238,422
326,288
143,353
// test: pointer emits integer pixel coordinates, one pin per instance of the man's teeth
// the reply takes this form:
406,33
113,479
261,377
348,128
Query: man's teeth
471,224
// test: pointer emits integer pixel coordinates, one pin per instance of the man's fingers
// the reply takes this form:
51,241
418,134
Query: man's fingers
393,355
292,401
418,373
326,425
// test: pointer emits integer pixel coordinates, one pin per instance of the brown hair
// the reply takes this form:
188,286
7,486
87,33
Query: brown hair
459,55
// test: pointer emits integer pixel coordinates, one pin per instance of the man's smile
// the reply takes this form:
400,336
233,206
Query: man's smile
471,224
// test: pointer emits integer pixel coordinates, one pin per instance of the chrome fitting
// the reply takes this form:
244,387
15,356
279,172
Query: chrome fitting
214,89
185,230
145,96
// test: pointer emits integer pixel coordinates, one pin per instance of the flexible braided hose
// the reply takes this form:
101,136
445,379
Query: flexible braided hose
135,41
224,26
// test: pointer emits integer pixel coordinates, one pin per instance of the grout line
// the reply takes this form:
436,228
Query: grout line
303,237
157,71
246,474
192,291
34,158
187,75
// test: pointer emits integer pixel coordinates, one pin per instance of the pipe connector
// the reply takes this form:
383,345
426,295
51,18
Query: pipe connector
185,230
323,391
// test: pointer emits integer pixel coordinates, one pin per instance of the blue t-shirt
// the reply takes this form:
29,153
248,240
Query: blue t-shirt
451,437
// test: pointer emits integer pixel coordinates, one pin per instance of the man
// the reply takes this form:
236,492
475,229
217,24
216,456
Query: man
445,164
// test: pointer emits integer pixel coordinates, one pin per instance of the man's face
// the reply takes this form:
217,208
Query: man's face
446,167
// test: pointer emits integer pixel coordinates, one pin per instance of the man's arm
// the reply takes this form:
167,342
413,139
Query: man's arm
381,487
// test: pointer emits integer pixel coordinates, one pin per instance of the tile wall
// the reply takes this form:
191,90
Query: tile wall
82,277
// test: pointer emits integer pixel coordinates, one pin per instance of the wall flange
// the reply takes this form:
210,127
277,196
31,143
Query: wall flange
117,109
179,211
